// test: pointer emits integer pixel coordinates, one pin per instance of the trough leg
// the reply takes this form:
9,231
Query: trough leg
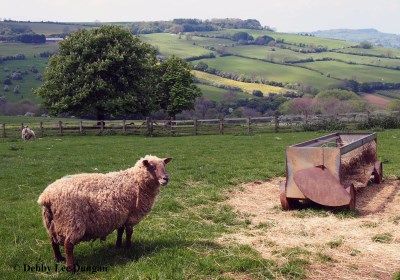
69,252
120,231
129,231
352,191
287,203
378,172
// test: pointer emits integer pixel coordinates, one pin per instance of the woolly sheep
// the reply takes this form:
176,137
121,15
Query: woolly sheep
27,133
88,206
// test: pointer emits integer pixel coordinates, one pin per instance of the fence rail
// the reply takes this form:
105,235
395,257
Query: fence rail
150,127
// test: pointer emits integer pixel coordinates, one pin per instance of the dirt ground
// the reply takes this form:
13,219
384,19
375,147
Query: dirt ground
378,101
363,246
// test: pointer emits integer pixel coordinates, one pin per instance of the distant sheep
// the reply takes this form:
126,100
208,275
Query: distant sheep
27,133
88,206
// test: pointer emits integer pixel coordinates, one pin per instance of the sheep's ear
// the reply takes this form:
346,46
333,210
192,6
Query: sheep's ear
166,160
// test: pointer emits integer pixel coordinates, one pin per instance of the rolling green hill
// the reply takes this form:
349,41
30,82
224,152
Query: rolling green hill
290,60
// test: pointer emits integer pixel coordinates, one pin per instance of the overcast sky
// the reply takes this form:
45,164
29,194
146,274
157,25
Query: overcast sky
284,15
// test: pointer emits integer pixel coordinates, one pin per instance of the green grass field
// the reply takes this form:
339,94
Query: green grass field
358,73
217,94
287,38
374,51
270,71
389,94
28,82
9,49
48,28
245,87
285,55
170,44
178,239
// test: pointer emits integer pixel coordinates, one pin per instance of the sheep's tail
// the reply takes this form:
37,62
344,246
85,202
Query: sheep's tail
47,216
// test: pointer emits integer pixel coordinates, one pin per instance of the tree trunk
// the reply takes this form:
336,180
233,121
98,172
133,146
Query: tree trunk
100,117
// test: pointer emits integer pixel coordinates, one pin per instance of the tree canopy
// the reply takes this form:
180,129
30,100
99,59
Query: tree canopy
176,88
338,94
98,72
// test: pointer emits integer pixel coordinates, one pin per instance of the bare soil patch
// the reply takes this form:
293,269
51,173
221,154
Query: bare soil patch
365,246
378,101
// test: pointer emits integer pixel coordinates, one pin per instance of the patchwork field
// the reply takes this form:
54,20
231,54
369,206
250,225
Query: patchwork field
358,73
246,87
270,71
278,62
172,44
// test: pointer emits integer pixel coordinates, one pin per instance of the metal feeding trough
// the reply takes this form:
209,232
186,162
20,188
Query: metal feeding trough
329,169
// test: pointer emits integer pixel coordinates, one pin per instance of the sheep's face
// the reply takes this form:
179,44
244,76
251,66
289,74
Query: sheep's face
157,169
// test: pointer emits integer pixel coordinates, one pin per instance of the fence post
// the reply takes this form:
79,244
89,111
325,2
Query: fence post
276,123
221,126
195,126
124,126
4,130
171,126
61,127
149,123
41,130
102,127
81,127
248,125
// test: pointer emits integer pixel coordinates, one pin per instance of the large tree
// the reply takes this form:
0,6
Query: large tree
176,88
99,72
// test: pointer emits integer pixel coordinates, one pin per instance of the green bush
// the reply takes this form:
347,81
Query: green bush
386,122
325,125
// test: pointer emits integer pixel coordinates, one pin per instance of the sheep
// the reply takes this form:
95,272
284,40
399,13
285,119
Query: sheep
27,133
89,206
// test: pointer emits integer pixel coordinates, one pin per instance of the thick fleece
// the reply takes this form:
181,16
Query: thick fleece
90,206
27,133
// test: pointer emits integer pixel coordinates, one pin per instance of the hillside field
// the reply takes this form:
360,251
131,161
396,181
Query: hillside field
181,238
291,61
245,87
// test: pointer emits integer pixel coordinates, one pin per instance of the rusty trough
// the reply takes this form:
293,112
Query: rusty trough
328,170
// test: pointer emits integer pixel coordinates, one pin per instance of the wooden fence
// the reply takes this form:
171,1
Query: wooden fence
150,127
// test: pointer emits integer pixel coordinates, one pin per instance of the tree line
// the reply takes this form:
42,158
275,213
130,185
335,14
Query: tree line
192,25
19,33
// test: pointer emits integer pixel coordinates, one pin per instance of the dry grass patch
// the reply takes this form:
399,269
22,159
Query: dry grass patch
328,244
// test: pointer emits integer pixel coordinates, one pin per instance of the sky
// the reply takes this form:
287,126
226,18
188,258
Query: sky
283,15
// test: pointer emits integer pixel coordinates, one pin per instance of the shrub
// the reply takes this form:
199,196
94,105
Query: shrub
7,81
385,122
257,93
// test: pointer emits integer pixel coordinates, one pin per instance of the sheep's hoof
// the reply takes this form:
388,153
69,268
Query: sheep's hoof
60,259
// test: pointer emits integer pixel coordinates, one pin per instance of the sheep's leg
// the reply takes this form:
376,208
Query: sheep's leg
69,252
57,253
54,244
129,231
120,231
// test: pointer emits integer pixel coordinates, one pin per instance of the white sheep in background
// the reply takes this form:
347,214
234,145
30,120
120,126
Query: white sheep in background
27,133
88,206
